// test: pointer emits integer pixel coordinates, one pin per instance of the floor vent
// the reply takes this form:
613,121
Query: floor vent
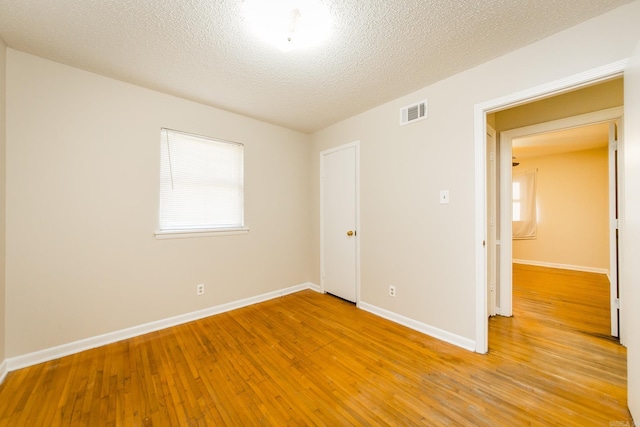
413,113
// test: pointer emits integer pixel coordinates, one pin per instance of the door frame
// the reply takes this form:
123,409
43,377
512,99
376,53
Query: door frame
616,178
481,110
492,224
609,115
356,145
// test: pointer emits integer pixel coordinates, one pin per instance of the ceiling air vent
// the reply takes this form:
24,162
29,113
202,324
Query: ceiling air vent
413,113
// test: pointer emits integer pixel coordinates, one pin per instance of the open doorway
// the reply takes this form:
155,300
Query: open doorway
563,244
537,105
569,220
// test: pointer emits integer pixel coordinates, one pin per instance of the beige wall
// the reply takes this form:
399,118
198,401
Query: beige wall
491,120
3,145
82,200
407,238
572,197
586,100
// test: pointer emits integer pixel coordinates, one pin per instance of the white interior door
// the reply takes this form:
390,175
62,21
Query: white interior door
339,234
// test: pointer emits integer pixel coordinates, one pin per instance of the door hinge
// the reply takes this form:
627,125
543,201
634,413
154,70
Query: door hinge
616,303
616,224
614,145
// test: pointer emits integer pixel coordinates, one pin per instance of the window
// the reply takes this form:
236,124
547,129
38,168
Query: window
517,205
201,184
524,225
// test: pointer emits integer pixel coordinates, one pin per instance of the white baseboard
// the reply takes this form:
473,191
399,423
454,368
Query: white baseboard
52,353
562,266
315,287
4,370
432,331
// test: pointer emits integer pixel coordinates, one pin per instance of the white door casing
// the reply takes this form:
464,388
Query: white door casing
506,215
339,233
614,140
492,260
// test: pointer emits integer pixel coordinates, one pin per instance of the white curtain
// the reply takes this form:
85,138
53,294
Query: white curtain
524,205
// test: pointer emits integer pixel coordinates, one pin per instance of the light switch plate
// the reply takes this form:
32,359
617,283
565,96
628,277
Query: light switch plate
444,197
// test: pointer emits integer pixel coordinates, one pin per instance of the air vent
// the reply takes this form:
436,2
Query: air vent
413,113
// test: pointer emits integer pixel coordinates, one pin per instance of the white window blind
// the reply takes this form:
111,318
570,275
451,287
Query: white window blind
201,183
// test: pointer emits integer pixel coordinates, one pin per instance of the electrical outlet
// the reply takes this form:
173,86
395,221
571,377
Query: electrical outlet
200,289
392,291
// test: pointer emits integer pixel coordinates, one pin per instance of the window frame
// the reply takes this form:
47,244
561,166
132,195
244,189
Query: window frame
205,230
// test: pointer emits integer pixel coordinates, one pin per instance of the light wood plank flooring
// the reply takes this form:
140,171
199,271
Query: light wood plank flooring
312,359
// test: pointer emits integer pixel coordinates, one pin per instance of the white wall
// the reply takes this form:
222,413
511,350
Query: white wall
572,197
82,199
407,238
3,144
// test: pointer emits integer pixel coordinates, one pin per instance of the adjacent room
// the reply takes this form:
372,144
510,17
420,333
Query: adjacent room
251,212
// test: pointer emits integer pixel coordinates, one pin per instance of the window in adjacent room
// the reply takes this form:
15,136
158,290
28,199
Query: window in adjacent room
524,206
201,184
517,204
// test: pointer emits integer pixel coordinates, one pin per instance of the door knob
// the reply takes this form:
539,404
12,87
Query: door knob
349,233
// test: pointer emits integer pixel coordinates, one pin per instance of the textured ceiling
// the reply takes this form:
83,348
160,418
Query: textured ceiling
201,50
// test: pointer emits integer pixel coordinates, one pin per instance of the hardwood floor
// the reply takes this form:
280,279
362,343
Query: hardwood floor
311,359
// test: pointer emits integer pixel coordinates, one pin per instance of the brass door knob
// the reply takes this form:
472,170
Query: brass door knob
349,233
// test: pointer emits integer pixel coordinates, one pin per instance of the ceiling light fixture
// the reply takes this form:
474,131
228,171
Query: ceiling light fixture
288,24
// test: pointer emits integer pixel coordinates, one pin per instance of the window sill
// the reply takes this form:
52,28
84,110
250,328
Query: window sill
187,234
